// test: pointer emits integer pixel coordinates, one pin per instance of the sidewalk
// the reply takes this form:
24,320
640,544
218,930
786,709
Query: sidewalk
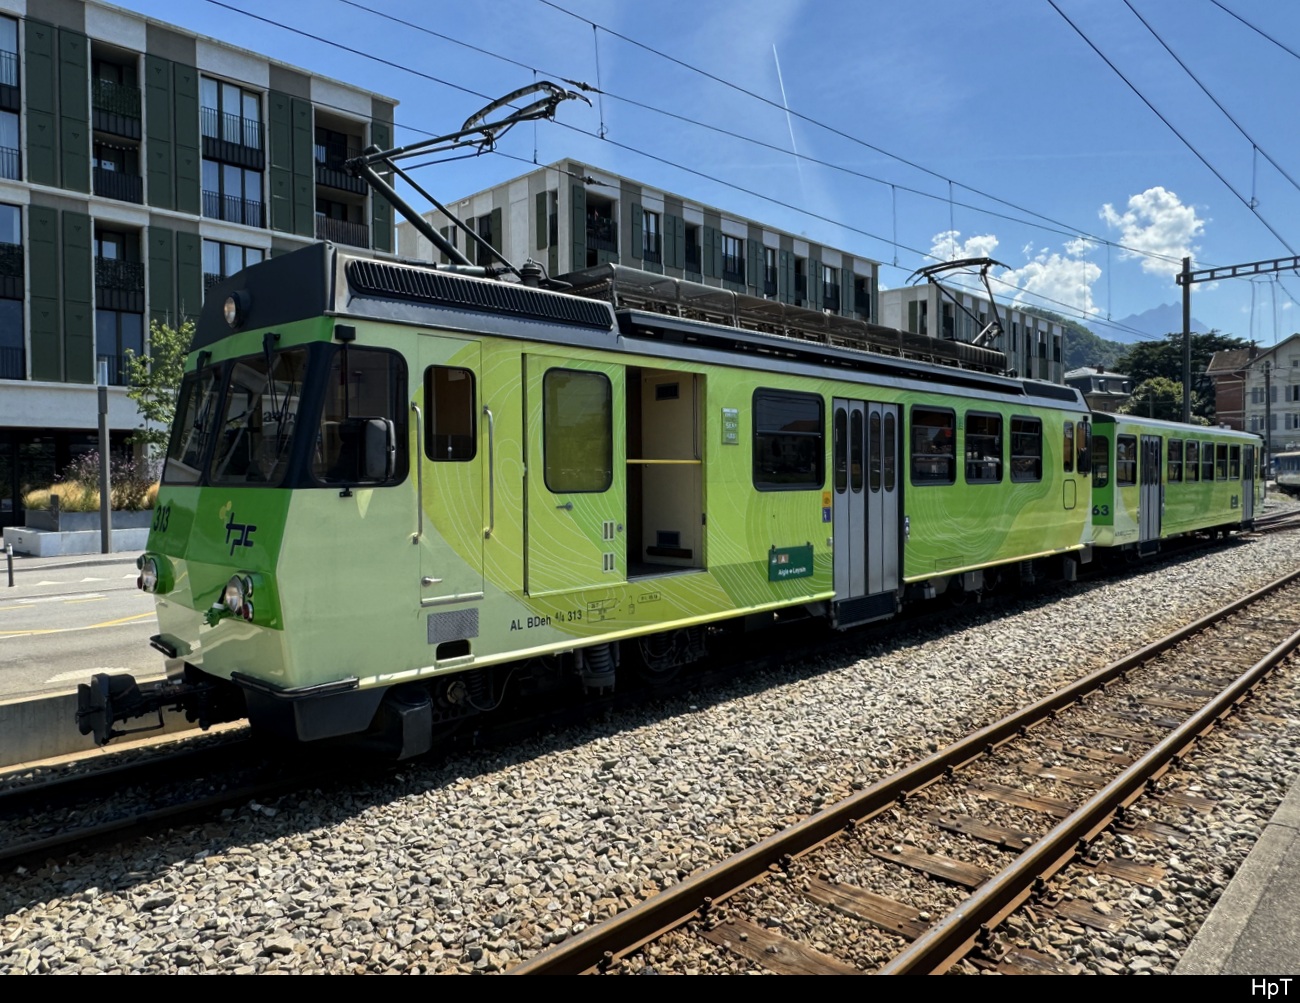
24,564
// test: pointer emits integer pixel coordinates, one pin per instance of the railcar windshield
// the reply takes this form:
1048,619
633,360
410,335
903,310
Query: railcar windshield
195,417
257,423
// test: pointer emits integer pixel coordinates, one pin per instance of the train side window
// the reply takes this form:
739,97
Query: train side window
855,453
362,437
1221,462
934,445
1100,462
1193,465
983,448
1234,463
789,450
1026,449
1084,464
577,431
1067,450
1175,461
1125,460
840,446
450,414
874,458
890,448
1207,461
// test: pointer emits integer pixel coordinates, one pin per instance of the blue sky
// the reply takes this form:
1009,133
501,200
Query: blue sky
955,128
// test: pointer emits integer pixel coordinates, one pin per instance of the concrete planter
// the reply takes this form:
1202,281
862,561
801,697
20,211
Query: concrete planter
82,522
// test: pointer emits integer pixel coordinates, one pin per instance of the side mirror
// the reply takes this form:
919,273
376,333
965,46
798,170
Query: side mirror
380,450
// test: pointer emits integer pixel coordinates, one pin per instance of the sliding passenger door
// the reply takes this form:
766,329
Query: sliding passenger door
1151,497
1247,483
575,422
865,496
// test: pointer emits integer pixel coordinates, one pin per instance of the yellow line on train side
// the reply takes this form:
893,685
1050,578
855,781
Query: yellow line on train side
68,630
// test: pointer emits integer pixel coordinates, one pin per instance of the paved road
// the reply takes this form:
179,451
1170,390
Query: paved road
61,625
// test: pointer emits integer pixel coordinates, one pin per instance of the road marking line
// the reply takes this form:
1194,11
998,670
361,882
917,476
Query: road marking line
68,630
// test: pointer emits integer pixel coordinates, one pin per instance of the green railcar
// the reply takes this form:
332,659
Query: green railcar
1156,480
391,490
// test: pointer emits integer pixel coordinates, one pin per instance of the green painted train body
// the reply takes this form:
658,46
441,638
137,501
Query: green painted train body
1156,480
386,479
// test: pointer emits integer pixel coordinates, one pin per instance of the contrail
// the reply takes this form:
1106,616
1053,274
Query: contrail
798,164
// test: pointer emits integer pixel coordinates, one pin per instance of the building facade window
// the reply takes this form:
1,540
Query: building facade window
733,259
692,248
340,222
10,158
222,260
769,271
651,246
8,52
831,288
230,113
233,193
116,333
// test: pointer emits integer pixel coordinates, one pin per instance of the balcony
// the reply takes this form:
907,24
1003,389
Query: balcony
119,285
13,364
11,164
733,268
116,108
342,231
116,185
862,304
602,234
831,297
232,139
10,89
233,209
330,172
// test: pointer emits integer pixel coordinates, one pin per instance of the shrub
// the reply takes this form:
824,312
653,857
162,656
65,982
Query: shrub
133,486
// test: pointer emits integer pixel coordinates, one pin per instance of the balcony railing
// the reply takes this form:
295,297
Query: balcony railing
230,128
862,303
831,297
692,257
210,279
13,364
602,234
232,209
11,261
342,231
9,69
650,251
11,164
116,185
800,288
113,273
115,98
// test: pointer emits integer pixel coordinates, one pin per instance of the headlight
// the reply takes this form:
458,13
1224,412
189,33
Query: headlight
149,577
235,309
238,597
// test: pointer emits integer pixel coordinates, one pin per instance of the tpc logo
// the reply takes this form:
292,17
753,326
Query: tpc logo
237,534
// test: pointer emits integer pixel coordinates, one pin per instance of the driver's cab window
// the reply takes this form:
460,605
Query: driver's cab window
362,433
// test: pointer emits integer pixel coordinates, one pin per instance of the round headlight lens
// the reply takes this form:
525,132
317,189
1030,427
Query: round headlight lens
231,311
238,597
148,574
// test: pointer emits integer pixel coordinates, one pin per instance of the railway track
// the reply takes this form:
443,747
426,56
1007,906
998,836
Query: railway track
926,867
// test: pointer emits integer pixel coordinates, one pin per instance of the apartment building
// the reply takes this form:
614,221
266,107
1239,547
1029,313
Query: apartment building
572,216
1258,390
139,164
1033,345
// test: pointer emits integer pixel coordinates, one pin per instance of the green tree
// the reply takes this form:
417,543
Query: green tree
1160,397
153,380
1164,358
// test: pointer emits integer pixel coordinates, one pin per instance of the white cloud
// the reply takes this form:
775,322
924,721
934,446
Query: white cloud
1156,223
1055,280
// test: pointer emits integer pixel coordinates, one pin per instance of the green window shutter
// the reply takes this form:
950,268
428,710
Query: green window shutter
46,318
304,169
638,221
160,177
189,275
815,291
717,254
381,213
189,158
711,252
578,227
42,154
279,140
847,279
754,265
498,240
540,220
785,278
162,275
78,299
74,110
